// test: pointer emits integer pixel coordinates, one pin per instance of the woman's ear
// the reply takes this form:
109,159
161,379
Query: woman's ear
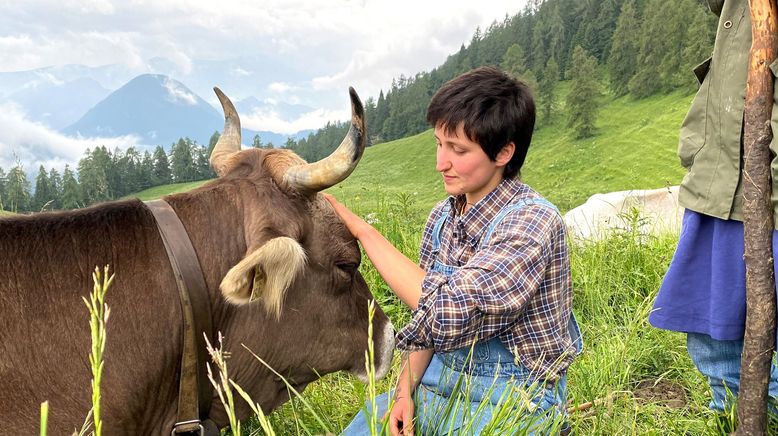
505,154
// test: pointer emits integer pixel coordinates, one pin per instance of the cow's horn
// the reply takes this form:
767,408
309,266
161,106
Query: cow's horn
229,141
337,166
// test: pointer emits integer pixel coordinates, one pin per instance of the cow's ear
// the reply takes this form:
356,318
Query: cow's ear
274,266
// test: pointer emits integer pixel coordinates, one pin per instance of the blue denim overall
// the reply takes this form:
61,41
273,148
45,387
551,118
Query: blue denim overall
480,378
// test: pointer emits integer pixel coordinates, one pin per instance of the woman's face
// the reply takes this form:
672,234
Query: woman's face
465,167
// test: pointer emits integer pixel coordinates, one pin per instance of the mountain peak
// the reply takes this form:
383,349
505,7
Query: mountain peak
154,107
159,110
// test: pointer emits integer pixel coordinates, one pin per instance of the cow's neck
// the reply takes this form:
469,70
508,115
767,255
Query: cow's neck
215,221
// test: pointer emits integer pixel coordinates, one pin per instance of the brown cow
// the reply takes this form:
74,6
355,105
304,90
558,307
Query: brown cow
262,218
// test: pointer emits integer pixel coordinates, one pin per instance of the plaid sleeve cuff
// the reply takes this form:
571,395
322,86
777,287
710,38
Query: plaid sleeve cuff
417,334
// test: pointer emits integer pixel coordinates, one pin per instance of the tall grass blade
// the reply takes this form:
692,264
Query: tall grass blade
222,386
98,319
292,389
44,417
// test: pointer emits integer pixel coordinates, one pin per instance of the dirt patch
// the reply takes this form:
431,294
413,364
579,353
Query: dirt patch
661,391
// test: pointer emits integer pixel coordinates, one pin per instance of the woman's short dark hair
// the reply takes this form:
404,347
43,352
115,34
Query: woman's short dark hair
493,108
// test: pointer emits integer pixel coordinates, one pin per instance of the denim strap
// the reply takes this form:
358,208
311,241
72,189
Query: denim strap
506,210
438,228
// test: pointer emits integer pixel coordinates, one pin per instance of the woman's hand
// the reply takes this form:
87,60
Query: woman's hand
402,275
401,417
353,222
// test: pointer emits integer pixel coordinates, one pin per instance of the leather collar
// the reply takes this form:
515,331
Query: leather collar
195,390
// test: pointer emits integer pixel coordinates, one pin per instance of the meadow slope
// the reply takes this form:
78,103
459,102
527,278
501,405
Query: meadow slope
634,148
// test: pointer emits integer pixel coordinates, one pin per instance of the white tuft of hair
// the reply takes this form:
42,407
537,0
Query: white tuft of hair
276,264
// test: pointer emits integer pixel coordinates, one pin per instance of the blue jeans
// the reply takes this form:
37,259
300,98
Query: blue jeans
461,391
719,362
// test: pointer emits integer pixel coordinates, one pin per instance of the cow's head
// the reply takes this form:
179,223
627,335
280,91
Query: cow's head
300,265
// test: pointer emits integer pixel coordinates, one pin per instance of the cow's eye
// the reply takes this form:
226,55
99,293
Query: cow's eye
349,268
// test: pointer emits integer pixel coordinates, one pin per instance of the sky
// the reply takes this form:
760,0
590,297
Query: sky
299,52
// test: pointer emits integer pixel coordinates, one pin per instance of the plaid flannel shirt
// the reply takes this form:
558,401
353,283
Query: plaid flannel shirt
516,287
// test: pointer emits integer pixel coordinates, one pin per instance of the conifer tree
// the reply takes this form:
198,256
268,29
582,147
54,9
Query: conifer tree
128,168
146,171
582,101
161,174
212,141
71,191
515,65
622,58
653,45
700,36
42,198
556,38
370,116
92,177
181,161
202,165
381,113
256,142
55,183
17,190
3,194
102,160
600,28
539,45
546,87
676,25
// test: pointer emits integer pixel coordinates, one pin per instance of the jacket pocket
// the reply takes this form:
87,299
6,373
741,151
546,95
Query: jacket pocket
715,6
692,135
701,70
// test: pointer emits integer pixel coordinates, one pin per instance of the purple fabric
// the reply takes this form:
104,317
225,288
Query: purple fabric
704,290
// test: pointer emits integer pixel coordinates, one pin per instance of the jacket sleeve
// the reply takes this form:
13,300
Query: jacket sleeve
715,6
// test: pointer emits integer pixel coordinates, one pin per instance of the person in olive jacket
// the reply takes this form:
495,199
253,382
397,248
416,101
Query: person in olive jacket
703,292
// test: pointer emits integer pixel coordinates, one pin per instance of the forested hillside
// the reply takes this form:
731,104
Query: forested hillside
639,47
599,49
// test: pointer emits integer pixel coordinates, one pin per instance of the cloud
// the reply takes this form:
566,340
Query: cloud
298,51
281,87
50,78
270,120
322,36
177,93
238,71
103,7
33,144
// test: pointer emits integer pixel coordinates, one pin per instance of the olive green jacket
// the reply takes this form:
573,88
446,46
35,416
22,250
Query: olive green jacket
710,144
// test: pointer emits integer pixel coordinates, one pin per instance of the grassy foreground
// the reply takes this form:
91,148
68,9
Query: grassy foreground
631,378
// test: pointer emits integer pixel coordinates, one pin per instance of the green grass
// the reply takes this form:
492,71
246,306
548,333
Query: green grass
162,190
639,378
634,149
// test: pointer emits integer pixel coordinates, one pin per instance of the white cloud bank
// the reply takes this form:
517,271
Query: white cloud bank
336,43
272,121
33,144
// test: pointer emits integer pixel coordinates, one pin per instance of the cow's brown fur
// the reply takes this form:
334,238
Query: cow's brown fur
49,259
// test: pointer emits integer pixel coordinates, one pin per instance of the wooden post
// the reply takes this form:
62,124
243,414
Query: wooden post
759,341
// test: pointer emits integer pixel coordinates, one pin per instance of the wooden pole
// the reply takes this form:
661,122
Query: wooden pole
759,340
